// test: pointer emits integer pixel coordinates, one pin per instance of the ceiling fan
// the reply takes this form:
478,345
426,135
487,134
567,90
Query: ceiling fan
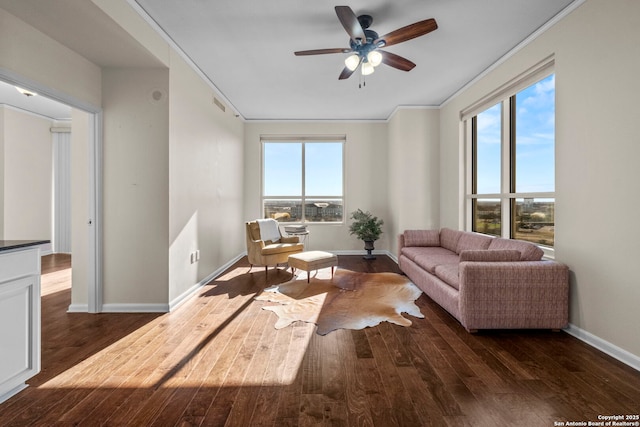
365,44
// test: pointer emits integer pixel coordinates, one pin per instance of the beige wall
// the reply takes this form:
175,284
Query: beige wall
206,181
365,175
27,178
33,56
2,109
136,186
597,58
414,186
79,207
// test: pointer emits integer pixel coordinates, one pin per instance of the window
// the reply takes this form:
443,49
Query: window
511,166
302,181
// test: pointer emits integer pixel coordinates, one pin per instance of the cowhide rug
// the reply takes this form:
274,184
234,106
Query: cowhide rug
348,301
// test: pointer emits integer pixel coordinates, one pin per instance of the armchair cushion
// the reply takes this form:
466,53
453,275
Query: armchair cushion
278,248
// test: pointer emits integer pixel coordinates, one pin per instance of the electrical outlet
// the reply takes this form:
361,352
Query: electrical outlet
198,255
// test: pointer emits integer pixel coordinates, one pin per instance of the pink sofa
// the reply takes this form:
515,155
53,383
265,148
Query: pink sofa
487,282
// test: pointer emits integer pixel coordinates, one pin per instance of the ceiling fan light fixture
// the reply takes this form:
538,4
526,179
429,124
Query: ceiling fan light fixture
367,69
352,62
374,58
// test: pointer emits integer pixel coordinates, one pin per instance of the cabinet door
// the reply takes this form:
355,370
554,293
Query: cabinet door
19,332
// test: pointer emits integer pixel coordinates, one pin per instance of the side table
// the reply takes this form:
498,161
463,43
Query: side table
303,235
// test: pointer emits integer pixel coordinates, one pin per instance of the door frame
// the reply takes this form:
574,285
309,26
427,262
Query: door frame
94,179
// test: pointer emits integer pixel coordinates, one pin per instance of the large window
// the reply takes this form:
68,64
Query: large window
511,185
302,181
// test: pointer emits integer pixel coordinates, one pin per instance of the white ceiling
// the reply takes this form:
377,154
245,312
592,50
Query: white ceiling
245,48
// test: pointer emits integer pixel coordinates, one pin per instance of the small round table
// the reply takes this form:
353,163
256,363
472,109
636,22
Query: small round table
300,234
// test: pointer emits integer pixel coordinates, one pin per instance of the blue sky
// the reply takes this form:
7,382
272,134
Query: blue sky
283,169
535,141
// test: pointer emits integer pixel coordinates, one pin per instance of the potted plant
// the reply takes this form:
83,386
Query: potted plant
367,228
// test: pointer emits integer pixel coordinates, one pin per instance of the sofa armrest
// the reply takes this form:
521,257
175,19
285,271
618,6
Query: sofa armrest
290,239
400,243
523,294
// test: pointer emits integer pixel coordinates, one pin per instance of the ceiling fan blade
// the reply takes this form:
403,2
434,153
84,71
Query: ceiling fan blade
409,32
350,22
346,73
396,61
321,51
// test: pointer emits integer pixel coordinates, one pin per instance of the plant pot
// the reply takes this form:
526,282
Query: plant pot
368,246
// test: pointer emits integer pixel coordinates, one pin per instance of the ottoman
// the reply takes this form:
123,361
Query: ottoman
312,260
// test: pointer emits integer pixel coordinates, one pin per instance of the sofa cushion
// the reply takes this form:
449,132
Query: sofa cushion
528,251
421,238
449,238
448,273
413,252
475,241
490,255
430,261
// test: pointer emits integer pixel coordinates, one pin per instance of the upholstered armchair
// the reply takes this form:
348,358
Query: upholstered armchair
273,251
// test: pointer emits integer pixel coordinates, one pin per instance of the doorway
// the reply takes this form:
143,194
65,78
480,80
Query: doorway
91,234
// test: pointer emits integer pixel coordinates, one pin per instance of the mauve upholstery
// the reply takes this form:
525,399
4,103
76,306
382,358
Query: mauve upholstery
414,252
471,241
422,238
528,252
490,255
450,274
429,262
487,282
449,238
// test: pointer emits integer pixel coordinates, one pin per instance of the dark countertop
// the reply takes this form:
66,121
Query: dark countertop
6,245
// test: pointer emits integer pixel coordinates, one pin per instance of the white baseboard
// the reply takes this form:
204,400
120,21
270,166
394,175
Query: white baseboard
9,394
135,308
121,308
78,308
176,302
604,346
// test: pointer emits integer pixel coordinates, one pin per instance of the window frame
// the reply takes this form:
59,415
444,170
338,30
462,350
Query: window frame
303,140
504,95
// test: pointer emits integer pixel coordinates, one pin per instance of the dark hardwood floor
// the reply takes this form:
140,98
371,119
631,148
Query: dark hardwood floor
217,360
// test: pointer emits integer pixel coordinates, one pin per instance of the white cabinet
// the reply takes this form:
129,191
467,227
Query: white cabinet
19,318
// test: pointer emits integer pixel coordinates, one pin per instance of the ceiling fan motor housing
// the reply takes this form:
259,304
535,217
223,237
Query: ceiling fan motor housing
365,21
366,45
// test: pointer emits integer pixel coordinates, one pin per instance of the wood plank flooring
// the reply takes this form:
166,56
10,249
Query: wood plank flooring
217,360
